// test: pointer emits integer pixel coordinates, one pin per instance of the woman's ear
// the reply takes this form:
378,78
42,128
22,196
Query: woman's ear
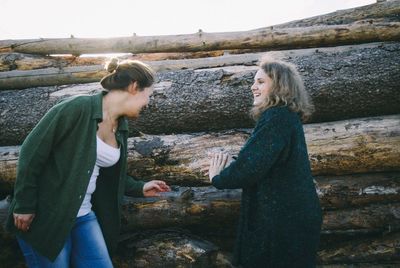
133,87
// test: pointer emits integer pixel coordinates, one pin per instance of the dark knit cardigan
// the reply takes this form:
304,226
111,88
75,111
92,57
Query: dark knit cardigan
280,217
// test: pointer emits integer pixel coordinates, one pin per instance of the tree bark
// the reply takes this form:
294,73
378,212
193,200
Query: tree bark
373,219
208,209
166,248
344,82
388,10
356,190
373,30
343,147
335,148
335,192
377,250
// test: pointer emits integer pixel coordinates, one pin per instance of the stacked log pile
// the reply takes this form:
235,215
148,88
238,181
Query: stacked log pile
350,63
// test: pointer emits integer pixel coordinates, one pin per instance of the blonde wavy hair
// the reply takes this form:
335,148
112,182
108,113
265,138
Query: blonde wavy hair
287,89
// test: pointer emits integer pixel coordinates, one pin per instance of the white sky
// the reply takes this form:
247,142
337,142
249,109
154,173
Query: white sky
20,19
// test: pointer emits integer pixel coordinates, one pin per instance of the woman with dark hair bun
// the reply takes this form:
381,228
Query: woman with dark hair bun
280,214
71,175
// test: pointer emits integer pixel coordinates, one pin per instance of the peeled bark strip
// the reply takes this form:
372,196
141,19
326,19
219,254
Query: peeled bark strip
344,147
344,82
373,30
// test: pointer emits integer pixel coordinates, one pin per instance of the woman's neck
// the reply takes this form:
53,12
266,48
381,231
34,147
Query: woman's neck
113,105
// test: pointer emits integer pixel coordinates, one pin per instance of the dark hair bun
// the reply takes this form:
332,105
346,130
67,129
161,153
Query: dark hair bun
111,65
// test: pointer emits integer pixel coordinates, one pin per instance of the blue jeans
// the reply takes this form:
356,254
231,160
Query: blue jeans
85,247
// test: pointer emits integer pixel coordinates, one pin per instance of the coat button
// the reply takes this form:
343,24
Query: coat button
80,197
88,172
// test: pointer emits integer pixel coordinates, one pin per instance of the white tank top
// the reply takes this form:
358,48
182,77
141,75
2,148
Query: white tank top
106,157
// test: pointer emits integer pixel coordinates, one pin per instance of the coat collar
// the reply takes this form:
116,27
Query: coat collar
97,111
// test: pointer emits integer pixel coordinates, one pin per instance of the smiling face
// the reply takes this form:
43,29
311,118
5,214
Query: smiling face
138,100
261,87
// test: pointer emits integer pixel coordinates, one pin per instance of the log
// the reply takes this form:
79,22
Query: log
19,61
221,210
372,30
379,250
343,147
357,190
392,264
62,74
344,82
197,207
143,244
166,248
388,10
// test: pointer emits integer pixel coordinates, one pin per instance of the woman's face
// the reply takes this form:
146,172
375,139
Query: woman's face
261,87
139,100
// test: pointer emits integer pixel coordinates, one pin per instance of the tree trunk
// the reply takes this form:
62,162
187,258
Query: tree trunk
373,30
343,147
62,75
382,250
166,248
377,252
62,72
355,190
185,206
23,62
388,10
379,12
209,209
344,82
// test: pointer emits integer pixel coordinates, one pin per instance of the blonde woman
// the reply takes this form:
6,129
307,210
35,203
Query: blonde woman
280,216
72,174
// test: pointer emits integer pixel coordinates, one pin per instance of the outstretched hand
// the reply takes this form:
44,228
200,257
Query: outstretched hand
217,164
153,188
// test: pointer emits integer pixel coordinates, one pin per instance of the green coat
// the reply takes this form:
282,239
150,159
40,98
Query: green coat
55,164
280,214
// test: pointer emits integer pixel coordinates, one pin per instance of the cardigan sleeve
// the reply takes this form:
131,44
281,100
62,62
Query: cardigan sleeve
134,187
257,156
34,154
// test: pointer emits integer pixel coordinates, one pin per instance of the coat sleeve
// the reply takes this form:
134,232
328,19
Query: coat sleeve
257,157
134,187
35,152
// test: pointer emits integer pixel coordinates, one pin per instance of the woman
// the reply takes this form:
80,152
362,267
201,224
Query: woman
280,215
71,174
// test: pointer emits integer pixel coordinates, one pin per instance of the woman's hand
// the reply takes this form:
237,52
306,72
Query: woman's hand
23,221
153,188
217,164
